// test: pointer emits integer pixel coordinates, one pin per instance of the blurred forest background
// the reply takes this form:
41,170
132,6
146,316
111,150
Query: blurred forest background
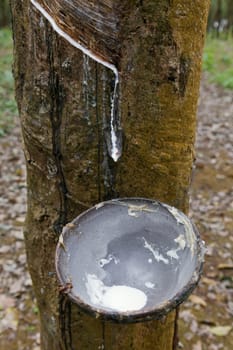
206,318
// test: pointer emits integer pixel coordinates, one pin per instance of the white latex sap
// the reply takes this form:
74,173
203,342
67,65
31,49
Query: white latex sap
119,298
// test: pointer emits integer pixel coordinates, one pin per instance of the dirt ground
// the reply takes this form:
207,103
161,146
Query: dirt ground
206,318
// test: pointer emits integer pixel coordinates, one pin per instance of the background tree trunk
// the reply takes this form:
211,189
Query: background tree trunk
5,16
230,16
64,103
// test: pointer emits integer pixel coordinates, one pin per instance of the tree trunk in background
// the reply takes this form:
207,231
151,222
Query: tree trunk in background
220,20
218,17
64,104
5,16
230,16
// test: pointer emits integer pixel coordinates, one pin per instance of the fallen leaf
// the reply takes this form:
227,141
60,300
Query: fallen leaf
197,346
208,281
225,266
5,249
186,315
221,331
194,326
28,282
197,300
212,274
19,172
19,221
18,235
10,320
6,302
17,286
4,227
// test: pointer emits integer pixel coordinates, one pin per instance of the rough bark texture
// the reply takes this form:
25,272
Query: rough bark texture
64,104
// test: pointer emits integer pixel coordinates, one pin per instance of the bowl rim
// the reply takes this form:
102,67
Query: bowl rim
159,310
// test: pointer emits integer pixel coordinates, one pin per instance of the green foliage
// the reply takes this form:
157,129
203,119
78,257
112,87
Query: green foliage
218,61
35,310
8,108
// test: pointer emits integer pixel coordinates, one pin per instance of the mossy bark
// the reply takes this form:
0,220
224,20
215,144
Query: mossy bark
64,105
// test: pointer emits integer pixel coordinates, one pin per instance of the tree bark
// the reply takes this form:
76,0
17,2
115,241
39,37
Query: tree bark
64,101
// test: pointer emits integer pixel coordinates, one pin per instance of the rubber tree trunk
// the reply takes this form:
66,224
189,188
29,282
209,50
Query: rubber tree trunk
64,101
